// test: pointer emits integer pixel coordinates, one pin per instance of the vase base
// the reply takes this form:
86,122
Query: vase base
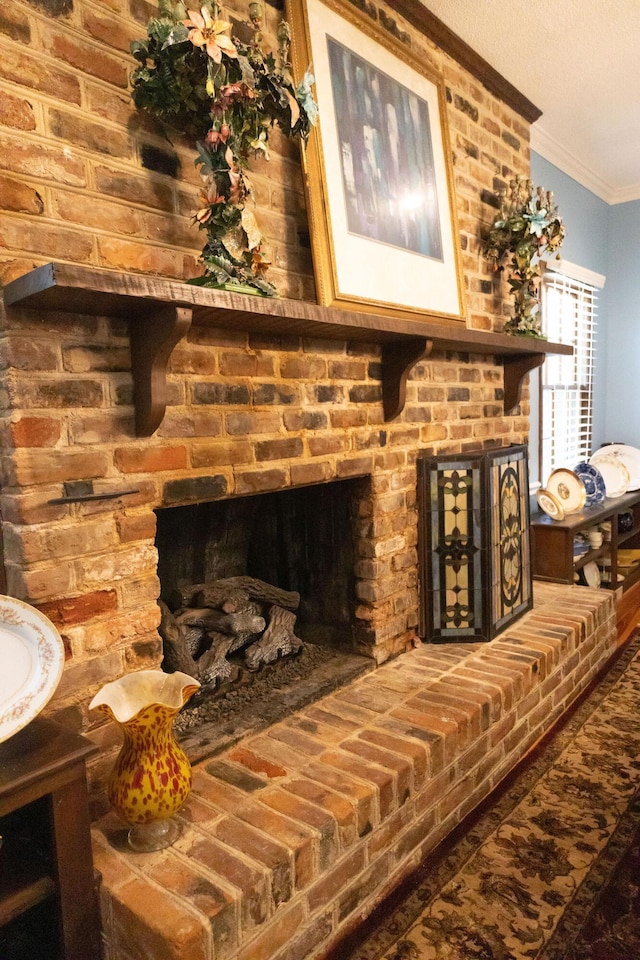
148,837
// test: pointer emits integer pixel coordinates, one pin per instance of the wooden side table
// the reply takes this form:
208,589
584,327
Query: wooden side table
48,900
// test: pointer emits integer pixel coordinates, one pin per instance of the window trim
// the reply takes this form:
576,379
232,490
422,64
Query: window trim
582,276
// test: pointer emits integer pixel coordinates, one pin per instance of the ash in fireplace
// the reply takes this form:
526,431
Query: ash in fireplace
236,636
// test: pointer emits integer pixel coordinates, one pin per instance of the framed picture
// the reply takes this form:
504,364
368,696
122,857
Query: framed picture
378,169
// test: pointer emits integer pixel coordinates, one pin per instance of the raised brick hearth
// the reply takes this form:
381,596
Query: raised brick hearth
293,836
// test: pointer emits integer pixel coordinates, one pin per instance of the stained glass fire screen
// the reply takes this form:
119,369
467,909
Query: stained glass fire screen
475,563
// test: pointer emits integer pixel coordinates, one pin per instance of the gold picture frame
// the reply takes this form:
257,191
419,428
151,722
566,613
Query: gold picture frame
378,169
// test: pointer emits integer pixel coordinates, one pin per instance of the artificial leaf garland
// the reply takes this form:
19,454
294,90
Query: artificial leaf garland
527,226
225,95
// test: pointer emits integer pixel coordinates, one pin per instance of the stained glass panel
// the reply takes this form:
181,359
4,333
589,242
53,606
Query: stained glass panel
474,543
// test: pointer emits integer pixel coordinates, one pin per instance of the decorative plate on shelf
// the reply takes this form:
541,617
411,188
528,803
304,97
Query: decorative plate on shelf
630,457
550,504
592,574
615,475
593,482
33,658
568,488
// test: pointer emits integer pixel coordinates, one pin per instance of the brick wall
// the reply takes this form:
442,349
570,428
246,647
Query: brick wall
85,179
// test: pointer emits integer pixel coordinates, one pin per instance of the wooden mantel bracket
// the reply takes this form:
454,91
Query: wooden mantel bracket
153,338
516,367
398,359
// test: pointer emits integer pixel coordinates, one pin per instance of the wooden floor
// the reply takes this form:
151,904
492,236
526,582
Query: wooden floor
628,612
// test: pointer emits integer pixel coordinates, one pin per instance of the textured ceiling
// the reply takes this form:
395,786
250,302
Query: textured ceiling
579,62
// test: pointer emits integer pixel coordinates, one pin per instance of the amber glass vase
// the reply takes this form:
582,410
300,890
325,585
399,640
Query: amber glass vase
151,778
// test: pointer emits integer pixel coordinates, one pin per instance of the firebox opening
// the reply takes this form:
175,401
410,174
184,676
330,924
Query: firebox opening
300,540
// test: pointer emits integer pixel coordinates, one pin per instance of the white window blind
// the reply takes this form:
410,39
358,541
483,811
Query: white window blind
569,308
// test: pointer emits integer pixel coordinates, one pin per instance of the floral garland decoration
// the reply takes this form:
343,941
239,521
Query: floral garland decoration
526,227
225,95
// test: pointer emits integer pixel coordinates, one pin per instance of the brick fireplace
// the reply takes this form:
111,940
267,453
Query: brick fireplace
123,393
294,833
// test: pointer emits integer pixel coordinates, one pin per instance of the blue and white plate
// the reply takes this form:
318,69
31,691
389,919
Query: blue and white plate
593,482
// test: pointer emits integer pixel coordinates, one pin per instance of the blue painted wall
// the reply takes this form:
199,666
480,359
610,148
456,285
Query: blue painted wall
622,374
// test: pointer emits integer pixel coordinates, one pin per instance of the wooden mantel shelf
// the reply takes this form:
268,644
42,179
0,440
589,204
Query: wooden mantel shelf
159,313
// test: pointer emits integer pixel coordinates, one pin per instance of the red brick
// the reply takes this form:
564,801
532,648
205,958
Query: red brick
256,763
278,449
57,466
309,368
96,214
381,780
359,793
150,459
217,905
154,923
327,889
80,609
140,527
436,724
261,849
36,432
27,353
16,112
250,879
259,481
341,809
39,74
322,446
44,163
303,743
42,238
87,57
140,257
416,752
108,30
146,191
399,766
311,817
221,453
354,467
276,937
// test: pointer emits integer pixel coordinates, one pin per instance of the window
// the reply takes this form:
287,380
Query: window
569,306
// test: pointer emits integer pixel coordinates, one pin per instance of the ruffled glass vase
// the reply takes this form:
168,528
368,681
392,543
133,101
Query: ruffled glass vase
151,778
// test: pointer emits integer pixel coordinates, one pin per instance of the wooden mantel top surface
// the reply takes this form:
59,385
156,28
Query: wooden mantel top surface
96,292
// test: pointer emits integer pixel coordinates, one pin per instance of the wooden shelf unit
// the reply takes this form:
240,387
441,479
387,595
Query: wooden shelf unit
45,859
552,541
160,312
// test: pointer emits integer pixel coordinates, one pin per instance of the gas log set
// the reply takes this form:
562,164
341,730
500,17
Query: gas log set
204,624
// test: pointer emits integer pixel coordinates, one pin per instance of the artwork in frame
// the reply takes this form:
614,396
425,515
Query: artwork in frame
378,169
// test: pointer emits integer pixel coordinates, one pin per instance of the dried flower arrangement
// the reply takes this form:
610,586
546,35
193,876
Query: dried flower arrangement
224,95
526,227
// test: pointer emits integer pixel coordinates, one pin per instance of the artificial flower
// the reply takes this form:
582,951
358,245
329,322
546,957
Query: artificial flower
208,198
210,34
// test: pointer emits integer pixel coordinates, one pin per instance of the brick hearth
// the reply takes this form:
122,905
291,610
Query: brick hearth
292,837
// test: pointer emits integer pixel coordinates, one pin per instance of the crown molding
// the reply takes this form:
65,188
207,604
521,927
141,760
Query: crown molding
450,43
549,148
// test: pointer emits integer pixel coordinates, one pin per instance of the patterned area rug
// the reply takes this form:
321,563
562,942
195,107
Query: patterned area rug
551,870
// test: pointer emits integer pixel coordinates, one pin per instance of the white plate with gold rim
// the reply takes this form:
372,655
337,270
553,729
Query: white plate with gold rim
628,455
550,504
567,487
33,658
615,475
